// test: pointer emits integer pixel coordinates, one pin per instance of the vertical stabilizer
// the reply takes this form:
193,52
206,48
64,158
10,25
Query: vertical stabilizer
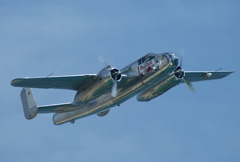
29,104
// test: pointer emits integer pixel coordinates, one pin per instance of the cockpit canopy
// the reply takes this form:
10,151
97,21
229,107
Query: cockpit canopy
146,58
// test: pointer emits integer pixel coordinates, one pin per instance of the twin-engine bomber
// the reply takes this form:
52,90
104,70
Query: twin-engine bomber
148,78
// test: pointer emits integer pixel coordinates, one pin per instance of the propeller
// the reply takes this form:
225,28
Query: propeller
101,59
115,74
189,85
114,89
179,72
181,57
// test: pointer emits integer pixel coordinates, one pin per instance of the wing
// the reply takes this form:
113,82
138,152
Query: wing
194,76
72,82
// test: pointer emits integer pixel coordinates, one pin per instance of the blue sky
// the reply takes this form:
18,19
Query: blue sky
66,37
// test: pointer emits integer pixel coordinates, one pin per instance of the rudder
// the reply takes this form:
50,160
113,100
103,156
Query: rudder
29,104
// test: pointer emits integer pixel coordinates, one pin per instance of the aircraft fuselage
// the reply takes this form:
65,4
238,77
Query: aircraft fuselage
140,76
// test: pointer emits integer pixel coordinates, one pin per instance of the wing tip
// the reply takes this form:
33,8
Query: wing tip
229,72
17,81
14,82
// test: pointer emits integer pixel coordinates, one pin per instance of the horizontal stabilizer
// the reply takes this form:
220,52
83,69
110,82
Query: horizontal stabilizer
29,104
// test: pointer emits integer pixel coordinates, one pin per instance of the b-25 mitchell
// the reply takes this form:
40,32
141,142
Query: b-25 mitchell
148,77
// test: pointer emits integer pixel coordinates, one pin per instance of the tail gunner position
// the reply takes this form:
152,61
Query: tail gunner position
148,77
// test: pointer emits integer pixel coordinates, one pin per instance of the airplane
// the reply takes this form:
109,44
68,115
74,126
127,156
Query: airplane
148,77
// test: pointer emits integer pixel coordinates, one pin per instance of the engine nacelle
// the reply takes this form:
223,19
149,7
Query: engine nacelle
159,88
99,86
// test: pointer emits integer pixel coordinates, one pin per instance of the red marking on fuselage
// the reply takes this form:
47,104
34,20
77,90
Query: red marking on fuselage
146,65
140,76
149,69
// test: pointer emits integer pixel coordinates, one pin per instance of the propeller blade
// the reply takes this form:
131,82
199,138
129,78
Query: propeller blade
114,89
181,57
189,85
101,59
